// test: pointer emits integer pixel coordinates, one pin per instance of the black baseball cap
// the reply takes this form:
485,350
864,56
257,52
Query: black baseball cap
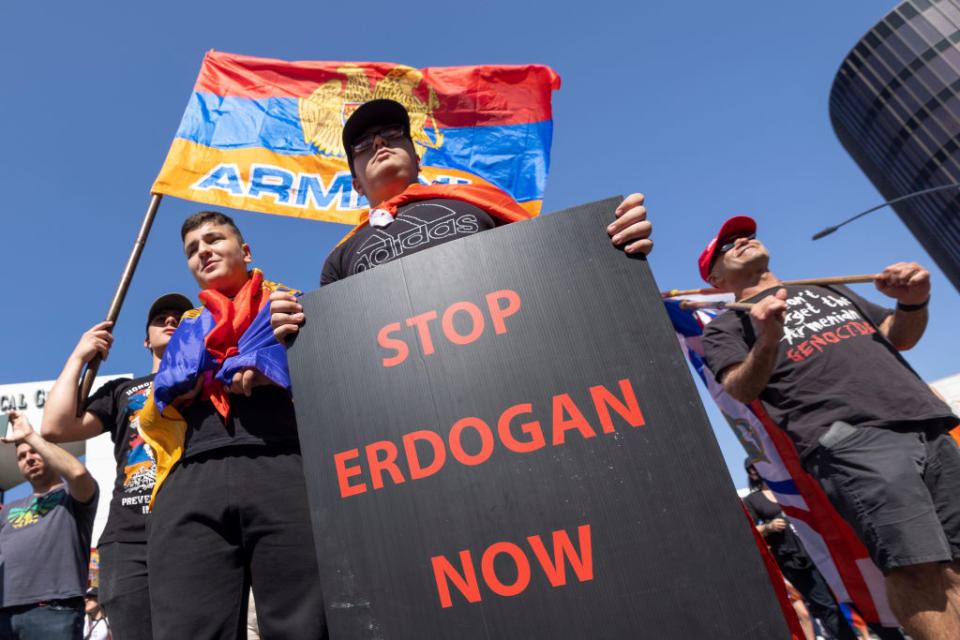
369,114
173,301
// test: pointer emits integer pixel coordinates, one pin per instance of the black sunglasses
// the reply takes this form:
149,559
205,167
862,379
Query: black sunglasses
388,133
733,242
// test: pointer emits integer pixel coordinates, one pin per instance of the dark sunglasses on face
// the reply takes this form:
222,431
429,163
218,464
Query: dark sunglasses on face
732,242
387,133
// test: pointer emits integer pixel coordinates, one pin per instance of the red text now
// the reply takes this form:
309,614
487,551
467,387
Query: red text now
463,574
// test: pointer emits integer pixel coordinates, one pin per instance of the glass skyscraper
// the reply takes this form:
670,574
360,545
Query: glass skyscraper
895,106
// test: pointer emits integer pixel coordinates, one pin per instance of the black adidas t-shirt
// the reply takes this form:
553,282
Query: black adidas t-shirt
832,364
417,226
117,404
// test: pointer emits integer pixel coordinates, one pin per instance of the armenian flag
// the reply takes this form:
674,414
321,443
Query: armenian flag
211,344
265,135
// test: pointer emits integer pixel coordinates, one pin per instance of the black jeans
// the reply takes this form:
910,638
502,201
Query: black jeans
822,604
226,520
55,621
124,592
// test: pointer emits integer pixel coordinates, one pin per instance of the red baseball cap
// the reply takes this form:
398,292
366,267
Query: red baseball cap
733,226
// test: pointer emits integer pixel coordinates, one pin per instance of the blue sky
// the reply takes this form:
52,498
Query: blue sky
711,109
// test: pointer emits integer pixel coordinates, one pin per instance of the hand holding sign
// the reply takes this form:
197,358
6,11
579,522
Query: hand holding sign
631,229
286,314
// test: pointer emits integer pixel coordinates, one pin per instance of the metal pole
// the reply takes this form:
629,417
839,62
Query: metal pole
86,383
829,230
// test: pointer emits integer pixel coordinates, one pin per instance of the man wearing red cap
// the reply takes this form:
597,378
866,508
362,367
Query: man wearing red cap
824,364
406,216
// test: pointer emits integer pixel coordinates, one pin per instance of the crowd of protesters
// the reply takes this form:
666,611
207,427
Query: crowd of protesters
209,455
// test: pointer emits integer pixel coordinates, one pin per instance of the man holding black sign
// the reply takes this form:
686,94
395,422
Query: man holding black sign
824,363
406,217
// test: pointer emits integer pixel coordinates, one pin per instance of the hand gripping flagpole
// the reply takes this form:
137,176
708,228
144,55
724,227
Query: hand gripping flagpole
86,383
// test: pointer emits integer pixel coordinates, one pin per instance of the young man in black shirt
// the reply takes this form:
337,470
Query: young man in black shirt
115,408
406,217
230,507
824,364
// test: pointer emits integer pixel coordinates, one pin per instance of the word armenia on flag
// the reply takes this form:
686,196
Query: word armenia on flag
265,135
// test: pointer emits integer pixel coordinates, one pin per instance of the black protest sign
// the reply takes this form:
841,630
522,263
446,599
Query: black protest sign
501,440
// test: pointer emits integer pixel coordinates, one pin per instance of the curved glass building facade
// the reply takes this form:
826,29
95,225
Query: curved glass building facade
895,106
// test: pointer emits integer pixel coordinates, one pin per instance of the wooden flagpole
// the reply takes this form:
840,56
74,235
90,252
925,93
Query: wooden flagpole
868,277
86,383
706,304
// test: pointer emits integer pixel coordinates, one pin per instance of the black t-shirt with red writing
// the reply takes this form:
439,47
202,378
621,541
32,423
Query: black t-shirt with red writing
117,405
417,226
832,364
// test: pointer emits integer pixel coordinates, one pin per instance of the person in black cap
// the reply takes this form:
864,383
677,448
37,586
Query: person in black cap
791,556
825,365
114,408
406,216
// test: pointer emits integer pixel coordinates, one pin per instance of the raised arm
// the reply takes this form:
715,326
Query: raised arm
909,284
60,422
745,381
80,484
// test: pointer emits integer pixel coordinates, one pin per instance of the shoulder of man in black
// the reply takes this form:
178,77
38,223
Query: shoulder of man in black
105,401
727,340
108,404
333,265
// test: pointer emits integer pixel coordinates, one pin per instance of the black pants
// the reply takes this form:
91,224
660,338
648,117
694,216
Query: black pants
820,600
59,620
224,521
124,593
